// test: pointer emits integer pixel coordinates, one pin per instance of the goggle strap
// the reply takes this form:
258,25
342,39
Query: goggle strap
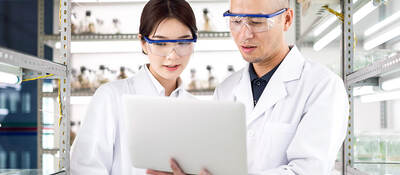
227,13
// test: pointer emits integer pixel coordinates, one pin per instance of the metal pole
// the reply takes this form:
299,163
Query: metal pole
297,21
65,85
347,67
383,104
383,107
40,54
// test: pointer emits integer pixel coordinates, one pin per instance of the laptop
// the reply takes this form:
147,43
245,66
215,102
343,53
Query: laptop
197,134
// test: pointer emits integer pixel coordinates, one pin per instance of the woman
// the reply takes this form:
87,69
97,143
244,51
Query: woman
167,33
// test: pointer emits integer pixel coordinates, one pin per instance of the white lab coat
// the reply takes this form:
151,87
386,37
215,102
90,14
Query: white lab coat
100,147
299,122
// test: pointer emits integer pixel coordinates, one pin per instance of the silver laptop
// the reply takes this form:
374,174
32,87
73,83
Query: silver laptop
198,134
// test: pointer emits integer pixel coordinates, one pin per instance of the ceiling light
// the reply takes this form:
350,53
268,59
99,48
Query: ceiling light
391,84
380,25
10,74
368,45
3,112
363,90
382,96
320,44
320,28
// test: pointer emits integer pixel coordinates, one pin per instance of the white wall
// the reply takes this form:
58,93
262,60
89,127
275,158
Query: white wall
366,116
393,113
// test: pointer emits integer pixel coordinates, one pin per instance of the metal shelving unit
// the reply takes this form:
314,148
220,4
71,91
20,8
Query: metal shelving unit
369,75
91,93
123,37
37,66
377,69
64,128
95,37
347,67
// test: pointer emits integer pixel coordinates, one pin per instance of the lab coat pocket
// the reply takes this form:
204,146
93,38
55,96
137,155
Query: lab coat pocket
276,140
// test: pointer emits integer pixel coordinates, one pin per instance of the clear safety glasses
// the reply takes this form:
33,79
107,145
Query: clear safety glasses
163,48
254,22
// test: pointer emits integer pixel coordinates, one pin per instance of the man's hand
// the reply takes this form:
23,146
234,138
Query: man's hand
176,170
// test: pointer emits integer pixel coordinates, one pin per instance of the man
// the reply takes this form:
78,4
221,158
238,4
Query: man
296,110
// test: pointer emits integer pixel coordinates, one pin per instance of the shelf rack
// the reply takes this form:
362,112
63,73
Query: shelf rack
64,38
91,93
38,66
368,75
123,37
347,67
31,63
379,68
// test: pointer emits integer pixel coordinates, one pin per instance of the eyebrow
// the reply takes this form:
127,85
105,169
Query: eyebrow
163,37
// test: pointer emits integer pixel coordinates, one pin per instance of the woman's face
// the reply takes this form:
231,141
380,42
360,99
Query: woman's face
168,67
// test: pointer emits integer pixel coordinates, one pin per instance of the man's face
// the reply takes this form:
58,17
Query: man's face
257,47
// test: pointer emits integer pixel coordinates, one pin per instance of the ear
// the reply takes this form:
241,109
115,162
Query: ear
288,19
143,44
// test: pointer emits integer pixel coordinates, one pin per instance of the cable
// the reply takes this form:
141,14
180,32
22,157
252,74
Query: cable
45,76
59,15
59,94
59,100
59,86
340,16
60,172
334,12
60,103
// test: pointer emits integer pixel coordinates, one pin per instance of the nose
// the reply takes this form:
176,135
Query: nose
172,55
246,32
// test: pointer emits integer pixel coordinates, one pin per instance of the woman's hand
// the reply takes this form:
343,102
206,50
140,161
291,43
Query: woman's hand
176,170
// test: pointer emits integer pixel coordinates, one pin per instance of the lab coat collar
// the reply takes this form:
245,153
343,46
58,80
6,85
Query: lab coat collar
160,89
289,70
242,92
292,66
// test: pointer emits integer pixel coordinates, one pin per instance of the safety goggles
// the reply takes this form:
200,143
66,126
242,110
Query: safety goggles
254,22
163,48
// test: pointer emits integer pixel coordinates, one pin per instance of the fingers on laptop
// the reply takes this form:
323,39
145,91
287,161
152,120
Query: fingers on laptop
204,172
154,172
175,167
176,170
